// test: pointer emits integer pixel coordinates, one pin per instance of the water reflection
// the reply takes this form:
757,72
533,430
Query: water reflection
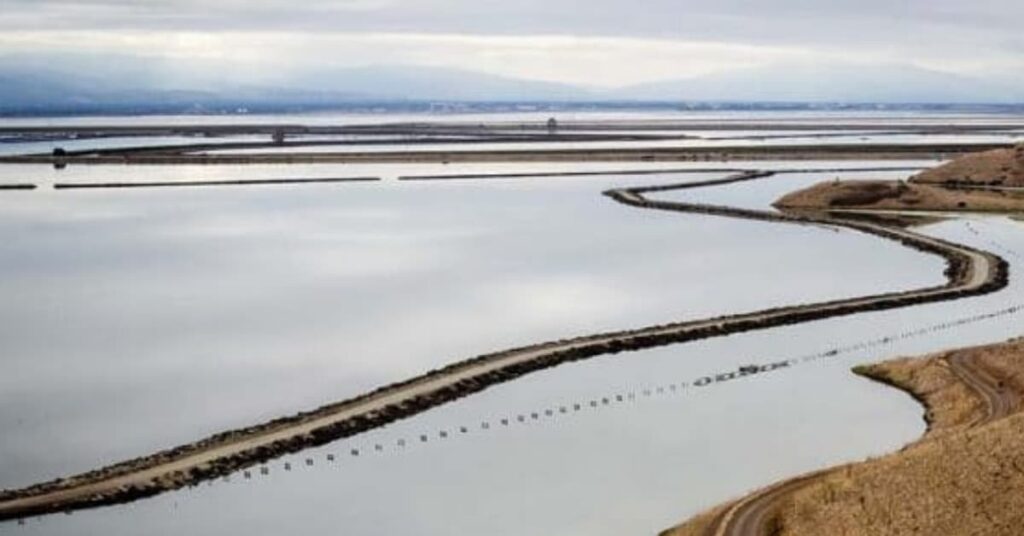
134,321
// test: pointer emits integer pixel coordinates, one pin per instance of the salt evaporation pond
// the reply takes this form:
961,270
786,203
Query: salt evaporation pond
42,146
283,298
45,176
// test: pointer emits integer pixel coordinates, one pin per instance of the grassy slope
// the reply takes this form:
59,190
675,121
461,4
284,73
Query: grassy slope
955,480
1004,167
892,195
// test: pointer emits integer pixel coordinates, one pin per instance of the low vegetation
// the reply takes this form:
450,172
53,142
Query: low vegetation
958,480
899,195
999,167
963,477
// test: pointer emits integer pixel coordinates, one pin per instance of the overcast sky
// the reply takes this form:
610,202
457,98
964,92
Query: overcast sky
593,42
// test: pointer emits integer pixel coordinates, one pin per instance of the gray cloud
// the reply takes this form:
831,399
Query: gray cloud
675,18
975,37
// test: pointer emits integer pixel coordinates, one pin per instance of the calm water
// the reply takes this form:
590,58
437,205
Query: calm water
45,176
760,194
47,146
141,319
821,128
724,144
136,320
644,465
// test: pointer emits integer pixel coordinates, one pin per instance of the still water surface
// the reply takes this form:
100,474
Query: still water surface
135,320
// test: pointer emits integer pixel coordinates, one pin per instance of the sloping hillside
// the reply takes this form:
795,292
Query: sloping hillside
898,195
999,167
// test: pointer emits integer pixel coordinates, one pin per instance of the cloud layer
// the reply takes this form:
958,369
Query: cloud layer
596,42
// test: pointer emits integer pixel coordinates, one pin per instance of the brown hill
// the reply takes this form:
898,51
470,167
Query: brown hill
964,477
999,167
898,195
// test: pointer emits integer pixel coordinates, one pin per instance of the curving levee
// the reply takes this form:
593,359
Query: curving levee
969,272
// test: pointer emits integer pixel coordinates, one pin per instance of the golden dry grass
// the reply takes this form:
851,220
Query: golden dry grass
949,403
959,479
898,195
964,483
1000,166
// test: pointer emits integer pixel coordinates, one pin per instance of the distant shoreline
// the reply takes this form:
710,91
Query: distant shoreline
181,156
461,107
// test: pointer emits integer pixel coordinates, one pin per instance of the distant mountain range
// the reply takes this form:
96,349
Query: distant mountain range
834,83
26,87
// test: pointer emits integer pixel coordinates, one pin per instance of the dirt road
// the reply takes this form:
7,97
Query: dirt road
999,401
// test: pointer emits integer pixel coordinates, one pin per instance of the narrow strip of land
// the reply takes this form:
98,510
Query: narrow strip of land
969,272
182,155
649,171
212,182
596,173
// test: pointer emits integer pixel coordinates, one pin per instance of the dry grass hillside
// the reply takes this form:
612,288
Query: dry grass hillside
961,479
898,195
965,477
999,167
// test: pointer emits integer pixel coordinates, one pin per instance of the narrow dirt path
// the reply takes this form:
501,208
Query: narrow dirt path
999,401
970,272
